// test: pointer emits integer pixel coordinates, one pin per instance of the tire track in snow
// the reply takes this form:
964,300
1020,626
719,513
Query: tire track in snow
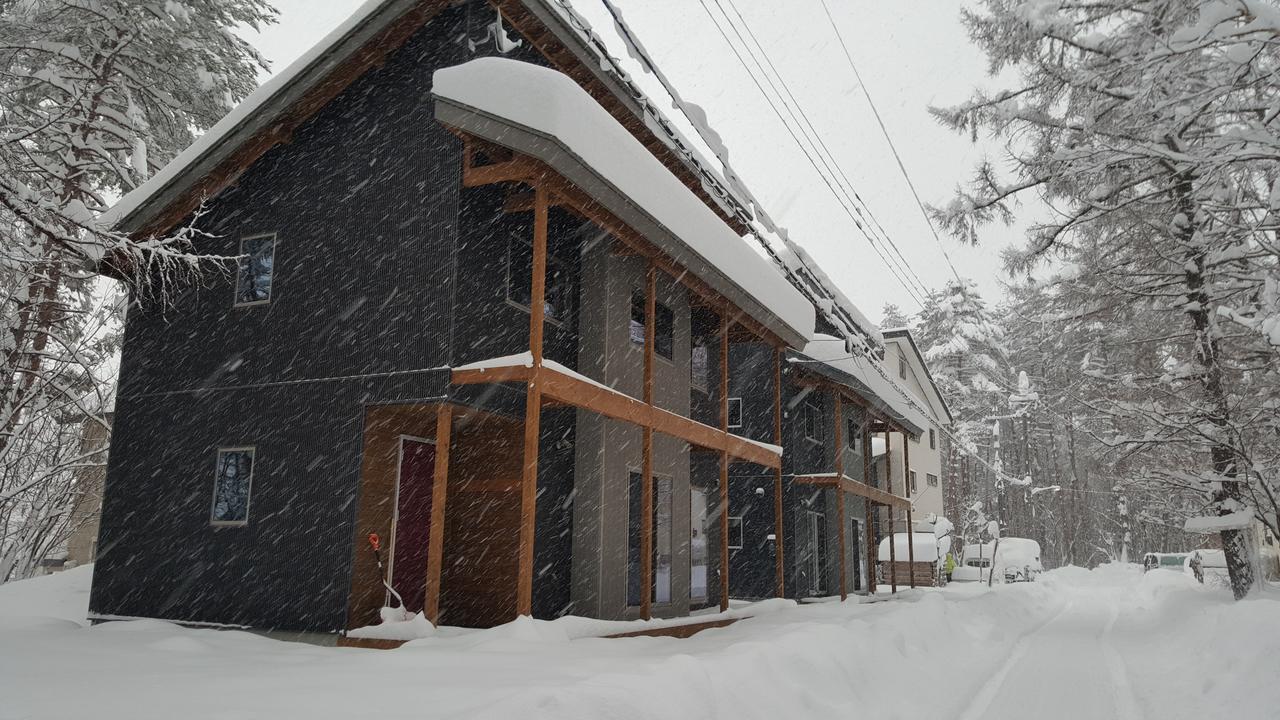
981,703
1121,689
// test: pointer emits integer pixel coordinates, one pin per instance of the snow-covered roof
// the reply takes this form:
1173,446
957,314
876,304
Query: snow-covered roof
829,355
926,547
546,114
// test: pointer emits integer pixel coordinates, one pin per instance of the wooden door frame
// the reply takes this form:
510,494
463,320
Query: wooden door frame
395,500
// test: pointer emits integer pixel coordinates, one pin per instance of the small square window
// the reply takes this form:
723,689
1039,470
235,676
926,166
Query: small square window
933,439
902,367
931,479
663,326
735,533
813,422
233,477
253,274
735,412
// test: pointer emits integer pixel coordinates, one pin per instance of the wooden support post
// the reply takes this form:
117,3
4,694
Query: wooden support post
532,408
893,541
439,489
778,558
873,554
840,519
646,447
906,474
724,461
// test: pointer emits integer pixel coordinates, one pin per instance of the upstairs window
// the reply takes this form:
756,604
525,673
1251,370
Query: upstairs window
902,367
913,481
663,326
813,422
852,433
233,477
933,439
559,296
253,275
700,363
931,479
735,412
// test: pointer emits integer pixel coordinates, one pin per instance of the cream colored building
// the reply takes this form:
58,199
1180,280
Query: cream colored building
906,365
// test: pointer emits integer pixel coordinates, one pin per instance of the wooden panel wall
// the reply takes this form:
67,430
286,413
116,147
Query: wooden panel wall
478,582
379,465
925,574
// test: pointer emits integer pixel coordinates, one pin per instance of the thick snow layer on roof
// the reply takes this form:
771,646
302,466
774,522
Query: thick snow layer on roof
831,351
1218,523
239,114
926,547
552,104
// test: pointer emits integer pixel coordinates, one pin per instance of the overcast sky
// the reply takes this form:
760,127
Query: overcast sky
911,55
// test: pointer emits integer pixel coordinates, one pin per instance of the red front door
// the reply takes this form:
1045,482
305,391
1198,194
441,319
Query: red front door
413,521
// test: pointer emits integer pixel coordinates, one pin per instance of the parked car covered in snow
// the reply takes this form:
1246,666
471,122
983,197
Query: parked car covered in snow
1164,561
1014,560
1209,566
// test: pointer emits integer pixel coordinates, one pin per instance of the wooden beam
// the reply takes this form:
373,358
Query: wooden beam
532,408
724,463
893,541
906,475
839,440
511,373
873,553
646,446
853,487
439,490
778,558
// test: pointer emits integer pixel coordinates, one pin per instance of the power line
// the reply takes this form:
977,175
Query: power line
860,204
898,158
815,138
805,150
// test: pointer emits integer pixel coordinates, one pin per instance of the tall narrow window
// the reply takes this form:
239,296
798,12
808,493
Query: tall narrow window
560,291
736,533
853,432
933,439
735,412
698,548
913,481
902,367
813,422
700,363
661,538
233,477
663,326
253,276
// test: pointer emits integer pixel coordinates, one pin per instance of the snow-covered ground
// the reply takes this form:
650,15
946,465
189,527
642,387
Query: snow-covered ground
1112,643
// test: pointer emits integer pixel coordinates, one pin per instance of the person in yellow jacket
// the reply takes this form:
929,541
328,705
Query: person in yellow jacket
949,566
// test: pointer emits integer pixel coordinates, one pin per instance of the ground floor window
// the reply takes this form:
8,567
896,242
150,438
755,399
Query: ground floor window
233,477
662,534
698,547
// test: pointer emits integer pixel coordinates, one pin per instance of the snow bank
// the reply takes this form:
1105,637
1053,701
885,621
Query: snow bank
553,105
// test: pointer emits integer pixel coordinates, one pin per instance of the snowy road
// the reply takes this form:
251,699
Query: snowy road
1111,644
1068,663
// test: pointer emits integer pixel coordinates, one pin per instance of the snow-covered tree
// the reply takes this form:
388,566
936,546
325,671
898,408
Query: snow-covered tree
1151,127
893,317
95,96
